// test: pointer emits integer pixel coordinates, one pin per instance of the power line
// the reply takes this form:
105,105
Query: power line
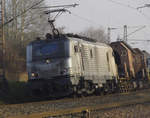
146,5
136,31
23,12
138,40
122,4
57,6
129,6
84,19
146,16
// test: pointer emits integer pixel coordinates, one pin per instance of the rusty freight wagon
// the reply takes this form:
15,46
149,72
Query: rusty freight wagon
130,63
147,57
140,64
124,59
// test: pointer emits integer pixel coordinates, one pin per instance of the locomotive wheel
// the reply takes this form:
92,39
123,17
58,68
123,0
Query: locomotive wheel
134,85
99,91
108,87
74,93
141,85
89,88
85,88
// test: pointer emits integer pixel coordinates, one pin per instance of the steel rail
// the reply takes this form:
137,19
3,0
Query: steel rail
63,104
75,100
87,109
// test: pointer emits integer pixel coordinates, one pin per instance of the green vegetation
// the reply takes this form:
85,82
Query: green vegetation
16,92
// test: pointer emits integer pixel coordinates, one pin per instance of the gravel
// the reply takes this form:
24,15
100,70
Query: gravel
29,108
134,111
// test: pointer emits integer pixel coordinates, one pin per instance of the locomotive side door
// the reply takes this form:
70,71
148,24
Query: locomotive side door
76,58
81,59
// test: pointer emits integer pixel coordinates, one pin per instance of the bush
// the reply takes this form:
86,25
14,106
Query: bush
17,92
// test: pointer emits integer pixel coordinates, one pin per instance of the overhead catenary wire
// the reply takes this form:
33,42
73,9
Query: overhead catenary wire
146,16
136,31
57,6
84,19
129,27
131,7
131,40
87,20
60,9
122,4
144,6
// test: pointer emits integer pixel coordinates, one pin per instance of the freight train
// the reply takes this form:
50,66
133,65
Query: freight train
74,65
131,65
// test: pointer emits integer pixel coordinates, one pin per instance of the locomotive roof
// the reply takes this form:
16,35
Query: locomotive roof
85,40
137,50
77,38
88,42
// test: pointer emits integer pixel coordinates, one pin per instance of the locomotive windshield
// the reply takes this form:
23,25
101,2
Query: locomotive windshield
55,49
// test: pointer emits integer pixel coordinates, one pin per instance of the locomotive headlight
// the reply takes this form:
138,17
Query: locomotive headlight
34,74
48,61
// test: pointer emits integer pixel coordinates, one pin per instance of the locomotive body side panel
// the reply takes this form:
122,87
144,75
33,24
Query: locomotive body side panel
94,62
97,64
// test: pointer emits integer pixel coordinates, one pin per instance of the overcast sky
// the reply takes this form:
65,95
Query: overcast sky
105,13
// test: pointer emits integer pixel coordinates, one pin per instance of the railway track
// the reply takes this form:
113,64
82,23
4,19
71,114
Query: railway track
83,111
73,106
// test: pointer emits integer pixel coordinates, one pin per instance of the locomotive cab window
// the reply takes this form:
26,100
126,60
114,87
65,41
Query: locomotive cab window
91,53
76,49
108,61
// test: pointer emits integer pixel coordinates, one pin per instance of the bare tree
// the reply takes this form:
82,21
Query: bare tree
97,34
21,31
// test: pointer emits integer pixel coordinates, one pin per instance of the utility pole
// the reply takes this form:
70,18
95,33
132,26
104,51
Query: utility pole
2,39
125,36
109,33
126,33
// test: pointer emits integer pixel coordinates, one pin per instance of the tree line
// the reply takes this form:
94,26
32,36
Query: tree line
20,31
